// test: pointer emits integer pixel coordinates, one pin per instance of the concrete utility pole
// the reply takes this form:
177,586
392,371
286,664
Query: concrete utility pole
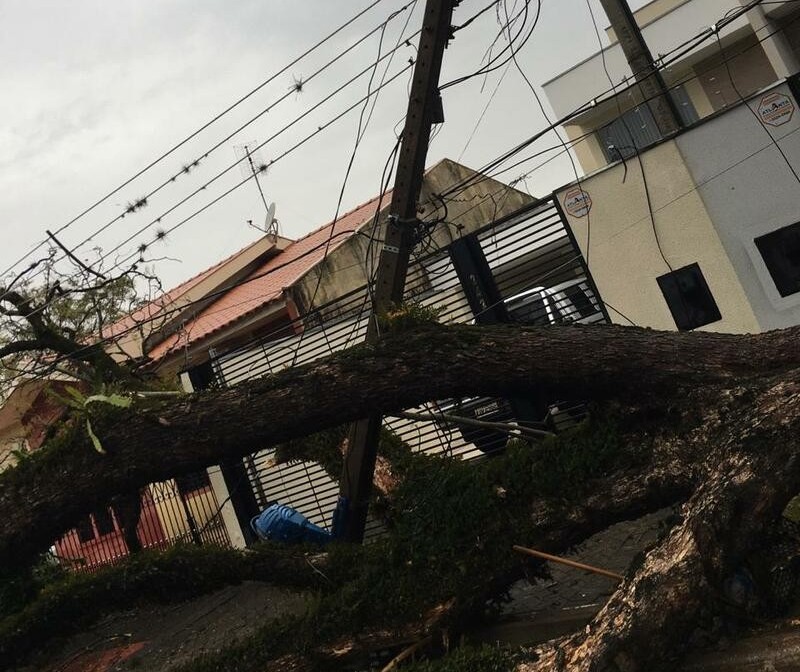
359,467
638,55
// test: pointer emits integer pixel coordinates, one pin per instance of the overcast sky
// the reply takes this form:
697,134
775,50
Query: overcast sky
93,90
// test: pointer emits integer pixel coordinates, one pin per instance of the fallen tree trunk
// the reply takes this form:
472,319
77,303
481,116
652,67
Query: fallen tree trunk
157,439
749,478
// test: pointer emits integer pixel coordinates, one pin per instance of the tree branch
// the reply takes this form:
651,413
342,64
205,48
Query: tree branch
158,439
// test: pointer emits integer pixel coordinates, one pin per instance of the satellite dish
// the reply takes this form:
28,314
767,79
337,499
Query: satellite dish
270,223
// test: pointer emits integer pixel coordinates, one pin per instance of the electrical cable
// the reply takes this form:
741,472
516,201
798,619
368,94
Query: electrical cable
143,200
664,60
360,131
712,177
635,147
753,112
195,133
485,172
701,36
162,234
555,128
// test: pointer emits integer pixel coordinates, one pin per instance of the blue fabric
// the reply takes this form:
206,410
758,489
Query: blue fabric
279,522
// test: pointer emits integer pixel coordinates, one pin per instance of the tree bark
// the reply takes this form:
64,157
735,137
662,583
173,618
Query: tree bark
158,439
748,480
721,411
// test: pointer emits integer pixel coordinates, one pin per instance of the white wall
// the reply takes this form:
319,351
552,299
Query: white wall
587,80
749,190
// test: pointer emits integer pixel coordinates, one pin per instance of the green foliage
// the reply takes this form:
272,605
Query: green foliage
78,315
453,527
79,402
111,399
48,602
409,315
18,588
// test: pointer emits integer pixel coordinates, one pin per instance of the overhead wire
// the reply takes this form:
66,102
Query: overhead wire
664,60
486,171
360,131
229,136
227,289
754,113
162,234
199,130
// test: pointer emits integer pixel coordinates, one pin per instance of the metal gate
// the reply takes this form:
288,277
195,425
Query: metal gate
537,276
181,510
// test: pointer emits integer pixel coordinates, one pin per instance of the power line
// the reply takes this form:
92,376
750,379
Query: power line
674,55
195,133
186,169
230,167
695,187
360,131
239,184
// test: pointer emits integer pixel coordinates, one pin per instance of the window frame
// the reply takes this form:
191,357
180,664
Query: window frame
669,281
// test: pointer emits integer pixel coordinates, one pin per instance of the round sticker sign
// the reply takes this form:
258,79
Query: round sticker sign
775,109
577,202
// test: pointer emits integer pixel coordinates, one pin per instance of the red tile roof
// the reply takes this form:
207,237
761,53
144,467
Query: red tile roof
268,282
163,303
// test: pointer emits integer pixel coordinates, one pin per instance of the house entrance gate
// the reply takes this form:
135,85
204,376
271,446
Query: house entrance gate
525,268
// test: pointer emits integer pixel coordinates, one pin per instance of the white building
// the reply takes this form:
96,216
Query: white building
700,230
760,46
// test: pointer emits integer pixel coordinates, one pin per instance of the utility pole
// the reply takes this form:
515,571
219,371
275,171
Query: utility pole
638,55
423,106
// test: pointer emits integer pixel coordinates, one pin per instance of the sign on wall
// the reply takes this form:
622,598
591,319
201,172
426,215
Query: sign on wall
577,202
775,109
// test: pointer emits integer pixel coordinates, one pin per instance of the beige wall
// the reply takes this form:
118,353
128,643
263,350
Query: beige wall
477,205
750,71
622,253
652,11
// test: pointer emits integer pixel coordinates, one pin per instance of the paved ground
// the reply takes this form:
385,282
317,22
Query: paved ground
569,588
158,638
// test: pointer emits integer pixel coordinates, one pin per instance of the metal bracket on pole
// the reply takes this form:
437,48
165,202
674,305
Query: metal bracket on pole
423,111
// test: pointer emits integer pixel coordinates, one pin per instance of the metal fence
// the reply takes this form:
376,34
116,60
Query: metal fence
538,277
182,510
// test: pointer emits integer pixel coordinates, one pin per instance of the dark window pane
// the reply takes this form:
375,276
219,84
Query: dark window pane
689,299
781,252
85,530
104,522
581,302
684,104
637,129
529,310
634,130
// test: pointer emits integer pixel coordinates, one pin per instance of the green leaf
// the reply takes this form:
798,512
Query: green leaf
112,399
76,395
95,441
71,403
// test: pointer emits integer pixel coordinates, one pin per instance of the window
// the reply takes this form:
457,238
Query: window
781,252
104,522
581,305
634,130
85,530
689,299
529,310
637,129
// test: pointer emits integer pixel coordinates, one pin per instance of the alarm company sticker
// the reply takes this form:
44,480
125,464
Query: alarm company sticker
577,202
775,109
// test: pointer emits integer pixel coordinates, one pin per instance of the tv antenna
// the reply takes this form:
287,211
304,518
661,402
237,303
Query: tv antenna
252,165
